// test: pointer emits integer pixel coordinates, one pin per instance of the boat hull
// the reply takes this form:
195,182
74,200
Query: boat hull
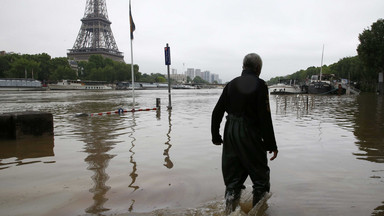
183,87
285,89
78,85
319,88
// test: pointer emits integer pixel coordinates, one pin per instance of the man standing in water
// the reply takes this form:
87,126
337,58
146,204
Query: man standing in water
248,133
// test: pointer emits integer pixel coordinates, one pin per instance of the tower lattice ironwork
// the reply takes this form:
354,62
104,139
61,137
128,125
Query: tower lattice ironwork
95,36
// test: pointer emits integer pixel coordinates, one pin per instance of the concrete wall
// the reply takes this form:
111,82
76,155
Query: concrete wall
21,124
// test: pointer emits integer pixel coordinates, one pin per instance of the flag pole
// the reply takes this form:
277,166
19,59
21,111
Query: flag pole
132,71
133,77
321,67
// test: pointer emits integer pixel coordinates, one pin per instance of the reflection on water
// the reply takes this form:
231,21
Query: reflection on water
316,107
24,150
369,129
96,133
362,115
167,159
133,174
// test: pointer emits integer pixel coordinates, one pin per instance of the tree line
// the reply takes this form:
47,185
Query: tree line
44,68
362,68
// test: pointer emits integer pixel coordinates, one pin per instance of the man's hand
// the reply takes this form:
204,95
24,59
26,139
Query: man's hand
274,154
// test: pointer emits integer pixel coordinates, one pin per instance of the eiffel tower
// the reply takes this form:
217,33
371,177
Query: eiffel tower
95,36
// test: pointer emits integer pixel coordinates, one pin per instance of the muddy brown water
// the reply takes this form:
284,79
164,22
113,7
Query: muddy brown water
330,162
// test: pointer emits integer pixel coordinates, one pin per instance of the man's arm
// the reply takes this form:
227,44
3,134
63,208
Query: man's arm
217,116
265,117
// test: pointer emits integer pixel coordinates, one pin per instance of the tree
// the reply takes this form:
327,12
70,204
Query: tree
121,71
97,68
161,79
349,68
61,69
97,60
22,67
371,47
45,65
4,66
198,79
63,72
147,78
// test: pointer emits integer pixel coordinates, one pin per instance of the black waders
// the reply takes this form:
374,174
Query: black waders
243,155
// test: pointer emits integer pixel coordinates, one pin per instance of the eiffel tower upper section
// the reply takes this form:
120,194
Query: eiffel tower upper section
95,36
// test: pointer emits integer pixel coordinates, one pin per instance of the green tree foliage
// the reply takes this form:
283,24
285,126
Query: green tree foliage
60,69
189,80
371,47
52,69
63,72
147,78
5,64
23,67
45,66
161,79
153,78
103,69
199,80
349,68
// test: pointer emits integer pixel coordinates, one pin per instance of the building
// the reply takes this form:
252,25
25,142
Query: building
73,64
193,73
190,73
215,77
179,78
206,75
197,72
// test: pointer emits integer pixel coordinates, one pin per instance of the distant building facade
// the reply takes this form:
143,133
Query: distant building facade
179,78
197,72
190,73
215,77
193,73
206,75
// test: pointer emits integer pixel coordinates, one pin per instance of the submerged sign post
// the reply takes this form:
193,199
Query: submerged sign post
167,53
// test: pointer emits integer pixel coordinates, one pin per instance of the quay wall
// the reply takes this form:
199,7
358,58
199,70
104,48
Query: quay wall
16,125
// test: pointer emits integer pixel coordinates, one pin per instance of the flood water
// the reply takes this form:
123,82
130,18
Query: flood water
330,162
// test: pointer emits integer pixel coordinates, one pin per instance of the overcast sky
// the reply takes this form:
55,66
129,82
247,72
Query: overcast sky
211,35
